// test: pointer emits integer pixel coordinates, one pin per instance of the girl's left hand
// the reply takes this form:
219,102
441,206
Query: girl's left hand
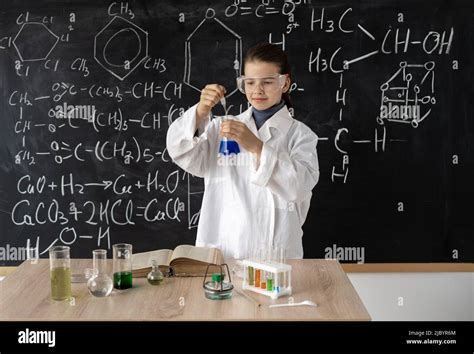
238,131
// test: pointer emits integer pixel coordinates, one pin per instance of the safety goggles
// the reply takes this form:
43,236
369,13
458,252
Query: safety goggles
268,84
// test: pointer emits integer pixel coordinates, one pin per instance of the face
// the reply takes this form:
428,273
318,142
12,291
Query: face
259,98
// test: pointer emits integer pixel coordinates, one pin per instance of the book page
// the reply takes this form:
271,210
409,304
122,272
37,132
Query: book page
201,254
143,260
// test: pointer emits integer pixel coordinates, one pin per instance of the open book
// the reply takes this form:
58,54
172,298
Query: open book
184,260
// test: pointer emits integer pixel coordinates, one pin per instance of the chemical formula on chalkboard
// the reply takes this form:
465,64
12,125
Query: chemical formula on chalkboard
89,91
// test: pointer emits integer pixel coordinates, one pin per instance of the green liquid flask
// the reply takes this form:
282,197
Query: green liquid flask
123,280
122,253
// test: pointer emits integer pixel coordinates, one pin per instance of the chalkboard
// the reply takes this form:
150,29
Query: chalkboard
90,88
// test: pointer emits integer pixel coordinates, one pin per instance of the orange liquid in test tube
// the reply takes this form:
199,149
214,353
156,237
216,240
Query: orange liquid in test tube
257,278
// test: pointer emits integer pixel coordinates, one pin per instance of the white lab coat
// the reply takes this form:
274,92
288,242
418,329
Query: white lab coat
249,205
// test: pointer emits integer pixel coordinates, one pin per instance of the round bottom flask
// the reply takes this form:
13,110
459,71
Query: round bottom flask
100,284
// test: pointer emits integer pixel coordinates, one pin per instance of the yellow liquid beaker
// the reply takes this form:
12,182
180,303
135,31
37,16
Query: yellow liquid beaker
61,283
60,272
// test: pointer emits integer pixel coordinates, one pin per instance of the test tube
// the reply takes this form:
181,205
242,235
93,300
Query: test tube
270,282
281,252
276,285
262,253
263,281
250,275
257,277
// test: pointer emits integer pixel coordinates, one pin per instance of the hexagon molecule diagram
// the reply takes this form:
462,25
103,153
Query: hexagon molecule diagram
120,47
34,42
213,54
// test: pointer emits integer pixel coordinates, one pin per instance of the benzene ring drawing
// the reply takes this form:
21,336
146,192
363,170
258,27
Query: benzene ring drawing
120,47
34,42
214,49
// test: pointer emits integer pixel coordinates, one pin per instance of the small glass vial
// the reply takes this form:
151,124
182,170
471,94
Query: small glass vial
100,284
155,277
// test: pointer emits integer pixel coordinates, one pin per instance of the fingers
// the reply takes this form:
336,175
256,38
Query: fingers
233,127
208,101
238,131
216,88
233,130
212,94
232,136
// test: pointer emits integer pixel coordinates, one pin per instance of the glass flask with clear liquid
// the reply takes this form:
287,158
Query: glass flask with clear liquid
100,284
155,277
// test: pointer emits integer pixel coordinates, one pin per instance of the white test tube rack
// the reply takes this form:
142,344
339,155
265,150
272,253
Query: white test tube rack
281,277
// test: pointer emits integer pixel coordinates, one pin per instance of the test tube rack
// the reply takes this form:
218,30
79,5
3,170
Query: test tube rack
257,274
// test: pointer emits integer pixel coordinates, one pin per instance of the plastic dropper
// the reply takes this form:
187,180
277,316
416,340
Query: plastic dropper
224,146
223,103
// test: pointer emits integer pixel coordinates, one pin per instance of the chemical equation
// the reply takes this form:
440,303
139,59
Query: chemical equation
406,97
99,106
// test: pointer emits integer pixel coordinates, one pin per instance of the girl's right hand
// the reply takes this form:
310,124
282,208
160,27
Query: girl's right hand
210,96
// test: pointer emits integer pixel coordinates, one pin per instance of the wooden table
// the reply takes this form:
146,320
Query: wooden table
25,295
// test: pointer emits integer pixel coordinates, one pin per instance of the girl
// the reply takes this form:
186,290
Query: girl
262,195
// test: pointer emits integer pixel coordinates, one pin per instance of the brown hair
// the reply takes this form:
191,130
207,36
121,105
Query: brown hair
271,53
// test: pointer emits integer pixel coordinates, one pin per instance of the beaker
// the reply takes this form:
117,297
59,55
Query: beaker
122,253
60,271
100,284
228,146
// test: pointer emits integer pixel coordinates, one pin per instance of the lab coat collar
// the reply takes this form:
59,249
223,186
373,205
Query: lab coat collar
281,121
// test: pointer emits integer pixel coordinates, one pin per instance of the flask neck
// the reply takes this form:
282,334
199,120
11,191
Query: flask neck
100,261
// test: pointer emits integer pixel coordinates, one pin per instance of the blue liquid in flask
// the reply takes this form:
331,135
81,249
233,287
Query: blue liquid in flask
228,147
